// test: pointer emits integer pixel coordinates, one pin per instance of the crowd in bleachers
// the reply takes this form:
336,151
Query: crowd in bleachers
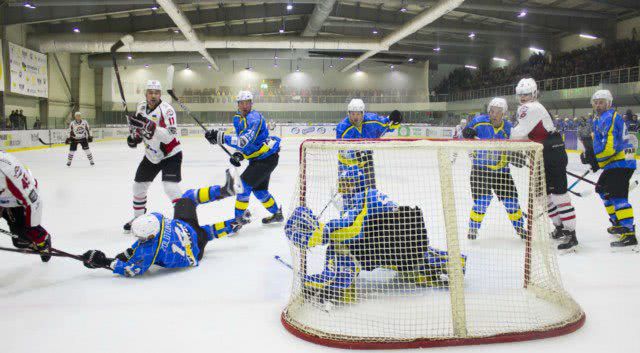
619,54
285,95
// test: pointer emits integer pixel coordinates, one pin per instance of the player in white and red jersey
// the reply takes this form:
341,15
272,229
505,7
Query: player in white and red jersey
79,133
21,206
535,124
457,132
155,125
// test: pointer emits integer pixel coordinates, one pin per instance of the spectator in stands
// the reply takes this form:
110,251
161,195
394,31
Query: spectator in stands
22,120
13,119
633,123
36,124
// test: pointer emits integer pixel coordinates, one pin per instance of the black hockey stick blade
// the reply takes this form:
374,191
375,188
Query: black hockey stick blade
172,94
44,143
117,45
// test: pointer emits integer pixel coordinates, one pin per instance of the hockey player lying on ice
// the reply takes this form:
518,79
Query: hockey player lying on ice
372,232
170,243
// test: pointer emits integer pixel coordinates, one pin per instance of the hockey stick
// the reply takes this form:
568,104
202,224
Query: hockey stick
53,251
581,178
127,39
44,143
578,180
27,251
280,260
233,160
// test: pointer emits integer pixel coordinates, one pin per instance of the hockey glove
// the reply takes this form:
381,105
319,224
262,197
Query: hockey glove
125,255
395,117
90,139
469,133
67,141
143,125
215,137
236,158
133,141
96,259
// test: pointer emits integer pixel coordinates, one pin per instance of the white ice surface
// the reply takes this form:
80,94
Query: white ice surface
232,302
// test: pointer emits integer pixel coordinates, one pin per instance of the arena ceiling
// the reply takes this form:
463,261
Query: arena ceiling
497,25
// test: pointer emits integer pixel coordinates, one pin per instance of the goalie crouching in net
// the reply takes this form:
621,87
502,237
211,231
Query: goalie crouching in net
490,171
372,232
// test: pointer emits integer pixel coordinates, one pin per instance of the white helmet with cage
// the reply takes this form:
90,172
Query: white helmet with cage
602,94
154,85
244,96
499,103
356,105
145,227
527,86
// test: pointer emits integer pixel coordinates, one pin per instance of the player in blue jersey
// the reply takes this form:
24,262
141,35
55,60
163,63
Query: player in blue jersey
359,125
253,143
371,232
616,156
490,171
166,242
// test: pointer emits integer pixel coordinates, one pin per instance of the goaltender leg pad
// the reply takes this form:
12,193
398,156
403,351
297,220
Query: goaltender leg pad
338,276
392,239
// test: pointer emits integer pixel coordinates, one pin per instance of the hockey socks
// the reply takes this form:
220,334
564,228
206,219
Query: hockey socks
561,211
70,157
478,211
203,195
89,156
267,200
623,212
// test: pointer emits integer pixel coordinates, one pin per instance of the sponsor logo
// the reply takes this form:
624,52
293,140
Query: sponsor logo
321,130
308,130
295,130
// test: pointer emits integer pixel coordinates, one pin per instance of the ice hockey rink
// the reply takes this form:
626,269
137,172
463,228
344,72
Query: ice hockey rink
232,302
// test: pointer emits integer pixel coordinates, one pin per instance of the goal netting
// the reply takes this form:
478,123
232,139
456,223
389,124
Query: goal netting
417,243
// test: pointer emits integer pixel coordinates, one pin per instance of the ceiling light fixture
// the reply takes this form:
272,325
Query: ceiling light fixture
29,5
587,36
436,49
522,13
76,30
495,58
410,60
472,35
289,7
471,67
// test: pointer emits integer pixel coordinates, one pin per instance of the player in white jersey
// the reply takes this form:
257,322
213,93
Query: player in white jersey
457,133
155,125
21,206
79,133
536,125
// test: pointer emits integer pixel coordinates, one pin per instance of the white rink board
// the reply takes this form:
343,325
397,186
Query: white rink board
233,301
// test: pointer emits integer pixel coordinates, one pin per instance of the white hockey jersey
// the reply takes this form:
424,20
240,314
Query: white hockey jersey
457,132
534,122
164,143
18,188
79,130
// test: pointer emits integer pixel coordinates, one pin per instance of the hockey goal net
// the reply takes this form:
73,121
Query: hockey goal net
419,243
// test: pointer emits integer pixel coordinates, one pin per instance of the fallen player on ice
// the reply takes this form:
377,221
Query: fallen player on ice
372,232
166,242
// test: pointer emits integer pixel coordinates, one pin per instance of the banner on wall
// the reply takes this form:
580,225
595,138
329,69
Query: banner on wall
1,69
28,70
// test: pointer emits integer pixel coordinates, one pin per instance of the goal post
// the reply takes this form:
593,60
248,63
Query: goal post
403,243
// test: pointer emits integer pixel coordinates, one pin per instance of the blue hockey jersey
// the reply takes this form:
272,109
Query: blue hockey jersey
611,142
357,209
252,137
175,245
373,126
493,160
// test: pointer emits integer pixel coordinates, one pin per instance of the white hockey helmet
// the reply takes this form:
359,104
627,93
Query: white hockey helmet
602,94
463,121
145,227
154,85
499,103
356,105
78,113
244,96
527,86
